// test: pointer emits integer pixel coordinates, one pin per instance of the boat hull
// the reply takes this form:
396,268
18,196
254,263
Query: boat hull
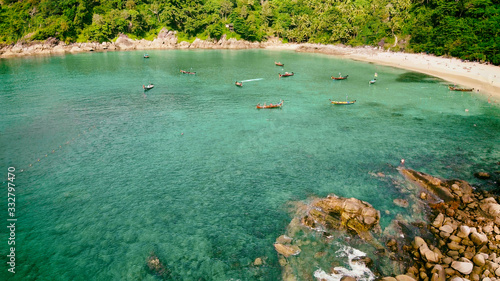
342,102
279,105
460,89
286,74
340,78
268,107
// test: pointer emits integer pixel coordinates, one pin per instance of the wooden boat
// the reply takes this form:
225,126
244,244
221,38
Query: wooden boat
460,89
148,87
278,105
342,102
279,64
146,56
286,74
187,72
340,77
373,81
239,84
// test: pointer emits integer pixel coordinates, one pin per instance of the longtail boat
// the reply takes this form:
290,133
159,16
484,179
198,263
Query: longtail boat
342,102
373,81
460,89
279,64
278,105
239,84
146,56
340,77
148,87
187,72
286,74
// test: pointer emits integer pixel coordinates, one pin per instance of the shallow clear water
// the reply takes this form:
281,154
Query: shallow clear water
193,172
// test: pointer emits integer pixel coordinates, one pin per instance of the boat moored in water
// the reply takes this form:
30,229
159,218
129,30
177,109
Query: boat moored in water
286,74
148,87
146,56
279,64
340,77
452,88
278,105
187,72
342,102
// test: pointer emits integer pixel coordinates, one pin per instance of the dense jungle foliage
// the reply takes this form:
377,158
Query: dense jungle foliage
467,29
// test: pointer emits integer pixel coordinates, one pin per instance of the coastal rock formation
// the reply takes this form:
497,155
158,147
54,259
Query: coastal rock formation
166,39
124,43
335,212
459,239
434,185
316,226
465,226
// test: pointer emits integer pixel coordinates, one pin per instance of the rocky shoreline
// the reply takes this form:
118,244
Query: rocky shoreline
165,40
459,238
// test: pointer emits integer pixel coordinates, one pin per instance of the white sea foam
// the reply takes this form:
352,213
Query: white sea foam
357,270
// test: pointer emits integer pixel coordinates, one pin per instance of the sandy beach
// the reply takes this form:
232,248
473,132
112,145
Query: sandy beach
484,78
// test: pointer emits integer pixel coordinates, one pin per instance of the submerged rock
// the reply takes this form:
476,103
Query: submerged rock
287,250
482,175
401,203
434,185
257,262
156,267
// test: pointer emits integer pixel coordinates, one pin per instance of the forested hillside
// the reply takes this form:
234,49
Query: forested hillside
468,29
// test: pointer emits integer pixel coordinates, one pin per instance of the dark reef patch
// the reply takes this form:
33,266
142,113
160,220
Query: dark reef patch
415,77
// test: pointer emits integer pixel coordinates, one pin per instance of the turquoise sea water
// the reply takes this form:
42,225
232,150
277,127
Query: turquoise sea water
193,172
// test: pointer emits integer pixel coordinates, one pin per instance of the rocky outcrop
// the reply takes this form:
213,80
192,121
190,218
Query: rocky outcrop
166,39
434,185
321,220
53,46
465,226
125,43
349,214
459,241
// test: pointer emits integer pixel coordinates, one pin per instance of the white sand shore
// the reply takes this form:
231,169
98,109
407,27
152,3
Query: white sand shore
485,79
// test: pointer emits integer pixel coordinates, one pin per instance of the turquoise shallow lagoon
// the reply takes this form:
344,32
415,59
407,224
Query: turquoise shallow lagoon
193,172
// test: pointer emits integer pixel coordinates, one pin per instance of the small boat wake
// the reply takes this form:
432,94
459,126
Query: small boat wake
250,80
357,270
